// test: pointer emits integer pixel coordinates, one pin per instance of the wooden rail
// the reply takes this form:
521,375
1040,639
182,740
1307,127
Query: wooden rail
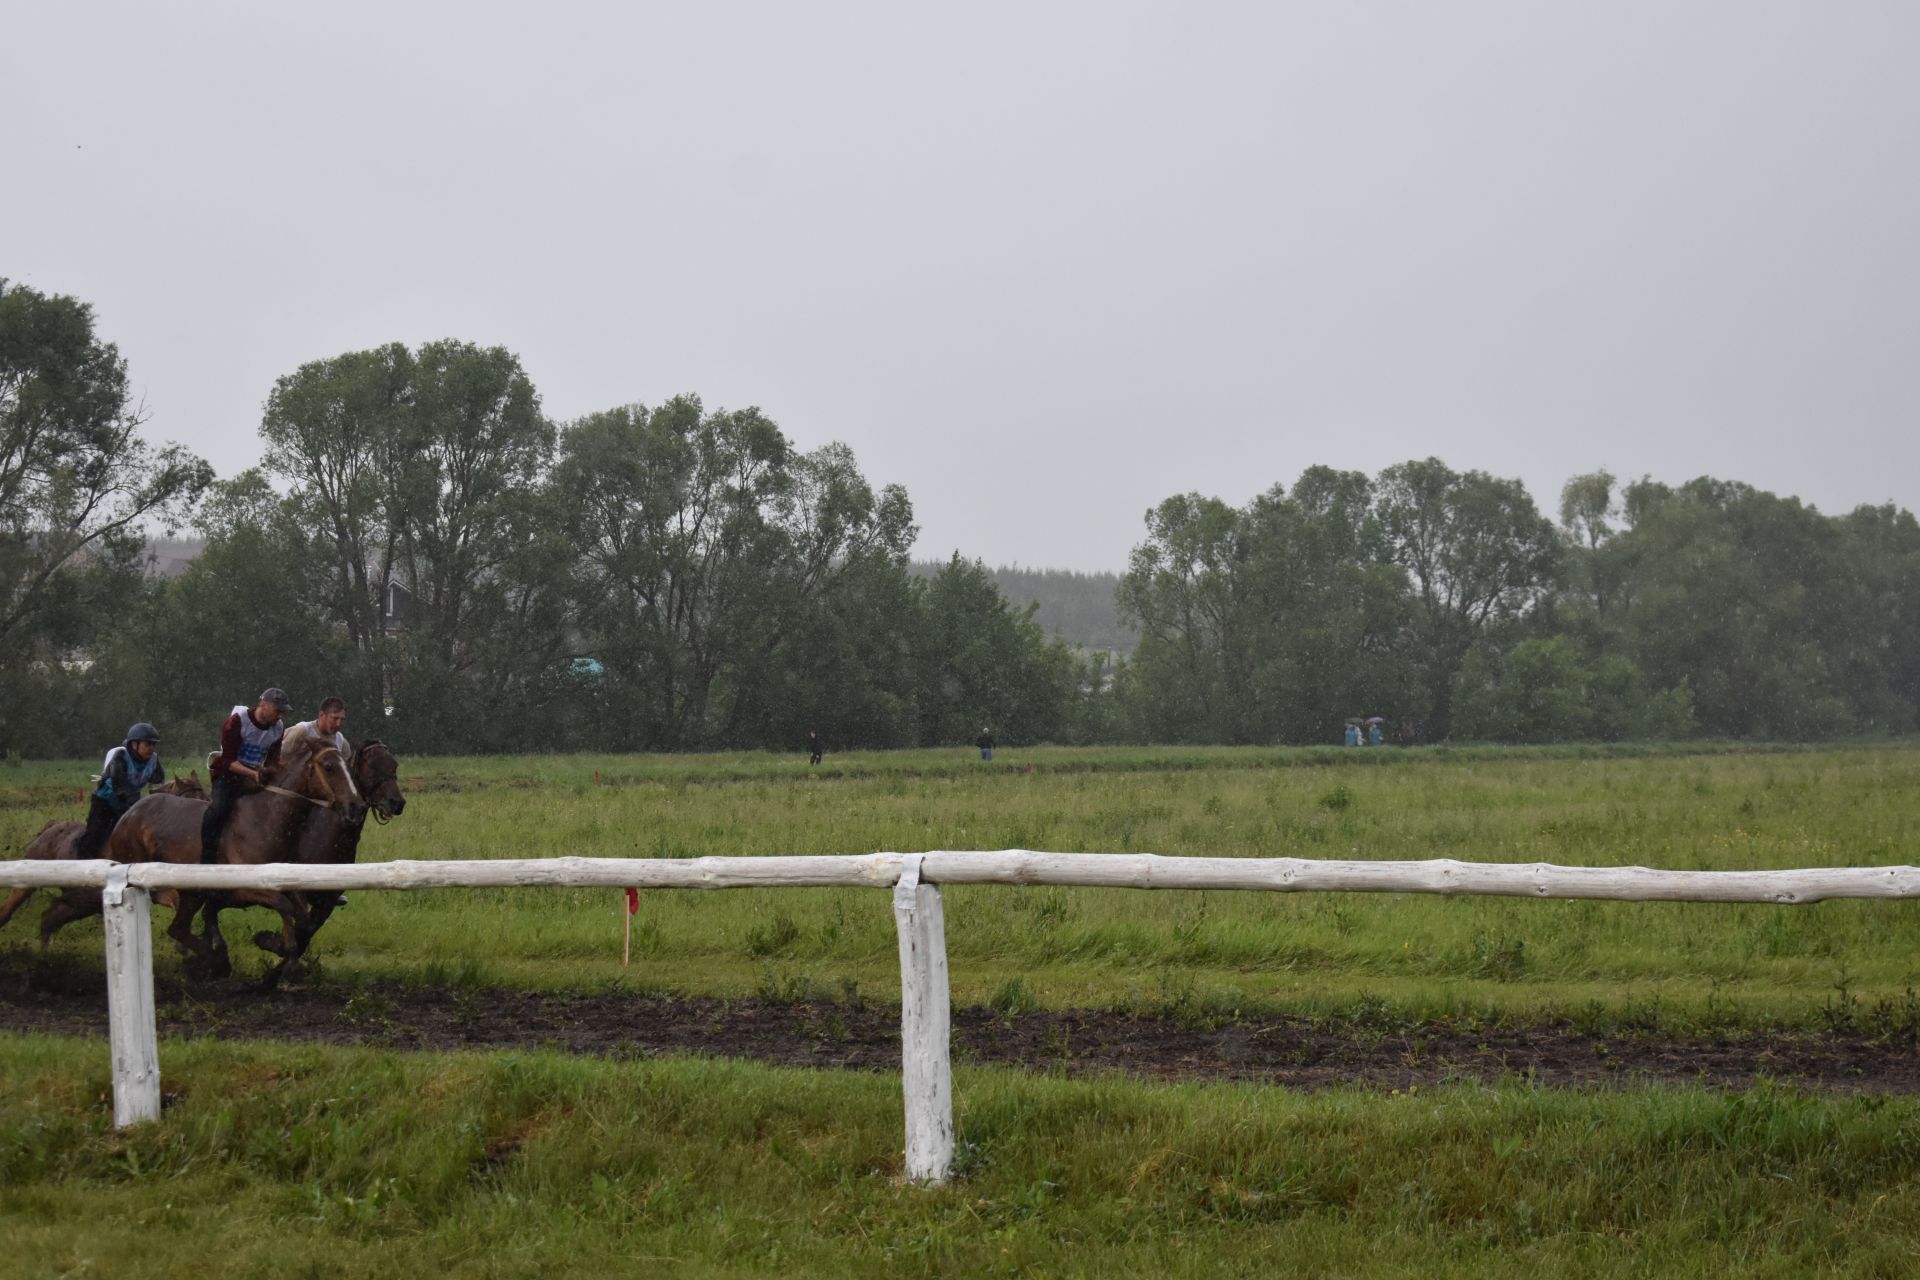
919,916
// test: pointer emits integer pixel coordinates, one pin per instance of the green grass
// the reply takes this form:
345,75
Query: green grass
1710,808
290,1161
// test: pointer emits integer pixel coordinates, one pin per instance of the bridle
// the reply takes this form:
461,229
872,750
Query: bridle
379,815
332,801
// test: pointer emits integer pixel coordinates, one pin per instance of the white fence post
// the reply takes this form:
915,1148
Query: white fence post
130,1023
926,1021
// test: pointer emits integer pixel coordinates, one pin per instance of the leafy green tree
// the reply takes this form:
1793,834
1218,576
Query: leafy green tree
712,553
1883,632
1269,624
1479,554
1744,598
1183,590
339,432
1328,610
419,481
77,487
984,664
252,610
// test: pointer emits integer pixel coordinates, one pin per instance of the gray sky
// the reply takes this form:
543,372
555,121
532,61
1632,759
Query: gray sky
1042,264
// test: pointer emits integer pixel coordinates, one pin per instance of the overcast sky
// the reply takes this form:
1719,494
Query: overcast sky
1042,264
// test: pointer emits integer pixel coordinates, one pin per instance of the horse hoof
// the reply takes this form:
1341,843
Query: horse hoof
201,969
218,966
267,940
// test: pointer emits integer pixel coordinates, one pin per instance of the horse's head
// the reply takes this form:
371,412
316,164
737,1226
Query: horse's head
187,788
378,775
323,776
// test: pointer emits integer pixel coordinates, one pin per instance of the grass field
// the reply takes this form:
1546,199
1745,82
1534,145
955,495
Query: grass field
1713,808
296,1160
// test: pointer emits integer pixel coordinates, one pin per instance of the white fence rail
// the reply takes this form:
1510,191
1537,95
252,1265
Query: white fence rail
919,915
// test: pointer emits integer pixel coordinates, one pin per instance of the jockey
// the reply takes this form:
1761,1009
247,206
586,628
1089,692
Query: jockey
326,726
128,770
249,745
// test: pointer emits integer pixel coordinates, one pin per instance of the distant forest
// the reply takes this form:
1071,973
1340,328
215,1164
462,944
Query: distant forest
472,576
1078,608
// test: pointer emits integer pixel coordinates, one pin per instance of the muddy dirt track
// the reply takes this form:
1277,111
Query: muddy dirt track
64,998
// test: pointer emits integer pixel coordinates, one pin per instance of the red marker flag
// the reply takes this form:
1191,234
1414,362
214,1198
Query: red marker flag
626,942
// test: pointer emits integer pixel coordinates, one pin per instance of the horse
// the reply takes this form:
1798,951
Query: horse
265,826
329,836
59,841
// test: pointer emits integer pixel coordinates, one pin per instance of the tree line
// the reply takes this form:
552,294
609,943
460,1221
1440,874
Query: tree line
1082,609
423,540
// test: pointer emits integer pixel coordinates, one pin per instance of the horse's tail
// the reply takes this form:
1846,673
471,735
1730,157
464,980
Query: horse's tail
13,904
20,896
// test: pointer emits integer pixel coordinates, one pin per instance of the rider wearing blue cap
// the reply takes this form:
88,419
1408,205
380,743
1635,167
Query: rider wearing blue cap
129,769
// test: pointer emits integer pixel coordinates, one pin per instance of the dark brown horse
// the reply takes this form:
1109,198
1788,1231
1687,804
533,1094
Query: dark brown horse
331,836
60,842
265,827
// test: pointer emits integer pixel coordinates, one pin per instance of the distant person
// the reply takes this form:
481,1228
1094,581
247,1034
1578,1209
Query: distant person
129,769
985,743
1353,735
813,746
249,745
1376,737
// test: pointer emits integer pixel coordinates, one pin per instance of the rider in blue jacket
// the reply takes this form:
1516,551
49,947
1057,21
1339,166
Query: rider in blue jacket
128,770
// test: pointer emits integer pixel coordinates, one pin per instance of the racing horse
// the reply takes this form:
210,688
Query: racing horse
59,841
265,827
329,836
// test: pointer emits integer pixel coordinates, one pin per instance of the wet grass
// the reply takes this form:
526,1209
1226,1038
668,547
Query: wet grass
1712,808
345,1163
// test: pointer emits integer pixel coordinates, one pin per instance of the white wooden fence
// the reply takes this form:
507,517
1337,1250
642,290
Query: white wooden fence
925,1015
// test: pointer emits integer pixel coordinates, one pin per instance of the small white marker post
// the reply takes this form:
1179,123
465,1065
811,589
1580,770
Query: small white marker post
130,1022
926,1020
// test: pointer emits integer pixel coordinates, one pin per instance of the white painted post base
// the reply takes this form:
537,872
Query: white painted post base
926,1022
130,1023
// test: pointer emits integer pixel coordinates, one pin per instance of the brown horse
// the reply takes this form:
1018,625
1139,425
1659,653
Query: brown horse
330,836
60,842
265,827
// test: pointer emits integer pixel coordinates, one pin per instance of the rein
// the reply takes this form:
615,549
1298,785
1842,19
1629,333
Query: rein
282,791
330,803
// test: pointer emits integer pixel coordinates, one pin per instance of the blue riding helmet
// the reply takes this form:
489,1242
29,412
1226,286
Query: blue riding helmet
144,732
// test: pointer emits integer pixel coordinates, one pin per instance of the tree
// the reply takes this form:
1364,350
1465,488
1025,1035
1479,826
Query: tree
1268,624
252,610
475,546
984,664
708,549
420,478
338,431
77,487
1747,599
1183,590
1479,553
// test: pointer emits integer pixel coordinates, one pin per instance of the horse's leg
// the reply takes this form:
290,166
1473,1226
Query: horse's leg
199,958
291,942
291,907
319,907
71,905
218,965
13,904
